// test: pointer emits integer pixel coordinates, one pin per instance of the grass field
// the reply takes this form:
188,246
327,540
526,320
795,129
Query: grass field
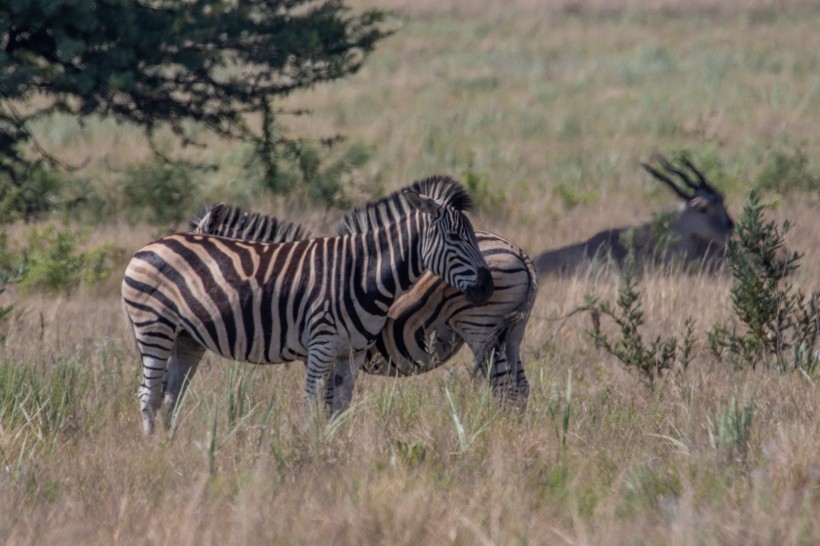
549,107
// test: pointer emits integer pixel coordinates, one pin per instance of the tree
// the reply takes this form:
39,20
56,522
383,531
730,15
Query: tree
165,62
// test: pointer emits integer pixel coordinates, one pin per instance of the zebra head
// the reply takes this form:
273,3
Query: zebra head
450,249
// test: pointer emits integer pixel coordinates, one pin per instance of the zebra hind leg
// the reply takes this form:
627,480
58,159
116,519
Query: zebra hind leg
182,366
155,341
150,391
512,347
504,375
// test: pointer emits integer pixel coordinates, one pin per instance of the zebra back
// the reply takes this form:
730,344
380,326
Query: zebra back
444,189
232,222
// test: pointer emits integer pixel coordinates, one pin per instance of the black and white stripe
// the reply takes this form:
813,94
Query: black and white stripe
431,322
322,300
428,324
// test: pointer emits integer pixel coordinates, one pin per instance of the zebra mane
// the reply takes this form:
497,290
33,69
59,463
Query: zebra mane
444,189
227,221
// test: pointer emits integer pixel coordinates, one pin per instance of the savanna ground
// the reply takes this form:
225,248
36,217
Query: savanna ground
548,107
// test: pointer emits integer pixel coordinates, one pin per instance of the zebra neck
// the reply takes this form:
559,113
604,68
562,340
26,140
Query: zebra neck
392,258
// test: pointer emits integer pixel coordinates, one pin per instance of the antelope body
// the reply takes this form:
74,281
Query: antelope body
696,236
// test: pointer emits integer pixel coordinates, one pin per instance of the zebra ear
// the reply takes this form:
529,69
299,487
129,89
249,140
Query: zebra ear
423,203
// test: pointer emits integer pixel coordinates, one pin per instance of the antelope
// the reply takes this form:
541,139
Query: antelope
696,237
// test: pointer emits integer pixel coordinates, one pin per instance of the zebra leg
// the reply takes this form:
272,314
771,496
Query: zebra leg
182,366
512,347
320,362
154,361
344,379
155,336
492,363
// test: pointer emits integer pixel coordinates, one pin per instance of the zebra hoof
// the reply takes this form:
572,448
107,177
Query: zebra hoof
147,423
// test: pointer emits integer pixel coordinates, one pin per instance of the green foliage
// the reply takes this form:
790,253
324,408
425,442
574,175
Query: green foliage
411,454
320,175
572,195
788,170
487,199
652,360
159,192
35,191
781,324
51,261
9,274
43,399
731,431
168,63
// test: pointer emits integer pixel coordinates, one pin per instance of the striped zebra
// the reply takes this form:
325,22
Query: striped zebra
428,324
321,300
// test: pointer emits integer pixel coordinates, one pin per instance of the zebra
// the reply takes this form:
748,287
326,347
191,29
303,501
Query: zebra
322,300
427,325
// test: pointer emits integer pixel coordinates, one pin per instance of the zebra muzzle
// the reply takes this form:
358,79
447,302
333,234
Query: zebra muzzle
481,291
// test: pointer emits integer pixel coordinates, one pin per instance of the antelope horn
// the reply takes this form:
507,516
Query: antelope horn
701,178
665,179
669,166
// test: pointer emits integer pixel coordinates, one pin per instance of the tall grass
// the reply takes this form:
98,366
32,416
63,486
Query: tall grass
545,109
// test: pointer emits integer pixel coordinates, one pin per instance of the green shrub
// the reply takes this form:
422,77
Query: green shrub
487,197
52,261
652,360
30,194
319,174
788,170
158,192
9,274
780,324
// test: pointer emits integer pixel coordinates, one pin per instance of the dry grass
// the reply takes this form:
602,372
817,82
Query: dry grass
572,94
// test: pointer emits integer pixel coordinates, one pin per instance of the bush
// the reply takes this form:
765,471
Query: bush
788,170
51,261
650,361
487,198
158,192
318,174
780,324
30,194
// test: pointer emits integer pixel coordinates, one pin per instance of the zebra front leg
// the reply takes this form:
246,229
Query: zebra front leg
320,362
344,380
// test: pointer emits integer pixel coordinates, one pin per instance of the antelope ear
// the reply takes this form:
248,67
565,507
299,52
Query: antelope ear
699,204
423,203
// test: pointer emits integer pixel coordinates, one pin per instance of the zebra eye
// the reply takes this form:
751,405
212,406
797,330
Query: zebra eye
453,237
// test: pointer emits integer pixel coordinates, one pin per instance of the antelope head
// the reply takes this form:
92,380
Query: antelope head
703,213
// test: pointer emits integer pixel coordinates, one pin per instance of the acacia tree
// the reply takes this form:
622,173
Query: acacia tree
165,62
